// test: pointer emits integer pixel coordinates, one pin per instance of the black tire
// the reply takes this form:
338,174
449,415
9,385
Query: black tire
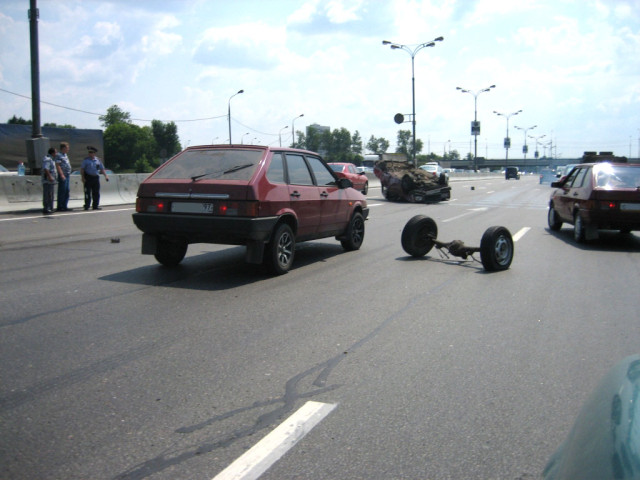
354,235
279,252
553,219
442,180
418,235
365,189
578,228
496,249
170,253
383,190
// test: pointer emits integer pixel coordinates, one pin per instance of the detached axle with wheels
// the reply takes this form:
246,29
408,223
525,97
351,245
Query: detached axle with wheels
496,247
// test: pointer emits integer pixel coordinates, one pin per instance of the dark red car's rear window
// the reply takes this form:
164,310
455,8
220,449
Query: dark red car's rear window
227,164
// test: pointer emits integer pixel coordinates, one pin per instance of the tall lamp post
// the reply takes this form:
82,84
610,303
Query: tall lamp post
537,154
507,140
242,138
293,130
475,125
229,112
525,149
412,51
280,133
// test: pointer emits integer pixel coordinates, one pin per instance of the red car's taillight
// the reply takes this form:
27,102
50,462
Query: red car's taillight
608,205
151,205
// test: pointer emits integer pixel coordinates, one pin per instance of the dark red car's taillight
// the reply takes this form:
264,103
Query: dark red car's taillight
151,205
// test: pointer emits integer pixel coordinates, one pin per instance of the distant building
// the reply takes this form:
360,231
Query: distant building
318,129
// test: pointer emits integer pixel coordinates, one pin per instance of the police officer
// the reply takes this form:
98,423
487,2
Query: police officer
90,171
63,166
48,181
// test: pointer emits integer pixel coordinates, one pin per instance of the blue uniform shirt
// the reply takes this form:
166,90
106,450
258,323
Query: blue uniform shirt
92,166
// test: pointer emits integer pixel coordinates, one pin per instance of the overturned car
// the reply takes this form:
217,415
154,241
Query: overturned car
401,181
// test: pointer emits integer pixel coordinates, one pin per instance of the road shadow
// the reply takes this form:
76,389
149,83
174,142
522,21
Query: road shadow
220,270
468,263
607,241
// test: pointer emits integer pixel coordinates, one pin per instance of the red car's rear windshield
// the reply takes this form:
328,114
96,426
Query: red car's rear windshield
617,176
230,164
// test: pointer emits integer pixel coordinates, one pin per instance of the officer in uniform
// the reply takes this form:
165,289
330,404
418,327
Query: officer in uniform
90,171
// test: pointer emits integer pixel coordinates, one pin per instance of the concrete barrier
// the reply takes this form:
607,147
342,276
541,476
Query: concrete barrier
25,192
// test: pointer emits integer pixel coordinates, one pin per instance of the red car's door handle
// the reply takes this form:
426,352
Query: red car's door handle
324,194
295,194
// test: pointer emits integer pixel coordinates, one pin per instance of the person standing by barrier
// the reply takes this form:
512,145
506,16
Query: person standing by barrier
90,171
48,181
63,166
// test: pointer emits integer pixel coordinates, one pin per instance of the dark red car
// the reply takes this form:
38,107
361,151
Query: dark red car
265,198
597,196
349,170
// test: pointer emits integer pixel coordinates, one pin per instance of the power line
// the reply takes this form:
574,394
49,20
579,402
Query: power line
102,114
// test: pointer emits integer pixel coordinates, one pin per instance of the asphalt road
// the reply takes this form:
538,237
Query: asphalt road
114,367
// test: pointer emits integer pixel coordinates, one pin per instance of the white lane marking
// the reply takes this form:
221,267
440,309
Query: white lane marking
521,233
375,204
471,210
268,451
59,214
456,217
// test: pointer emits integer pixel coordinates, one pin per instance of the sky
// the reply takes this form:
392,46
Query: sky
571,66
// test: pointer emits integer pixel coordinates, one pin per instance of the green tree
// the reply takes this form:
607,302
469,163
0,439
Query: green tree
166,137
125,143
377,145
405,143
301,141
113,116
142,165
19,121
356,143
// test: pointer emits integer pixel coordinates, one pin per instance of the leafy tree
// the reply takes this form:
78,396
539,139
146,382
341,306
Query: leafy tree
125,143
113,116
19,121
142,165
405,144
356,143
166,137
377,145
301,140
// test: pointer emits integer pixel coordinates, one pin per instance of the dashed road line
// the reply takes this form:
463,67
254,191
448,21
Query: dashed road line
520,233
256,461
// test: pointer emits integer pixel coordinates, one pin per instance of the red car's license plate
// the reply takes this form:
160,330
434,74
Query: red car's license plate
189,207
630,206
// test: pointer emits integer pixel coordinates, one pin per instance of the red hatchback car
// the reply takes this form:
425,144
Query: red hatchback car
349,170
262,197
597,196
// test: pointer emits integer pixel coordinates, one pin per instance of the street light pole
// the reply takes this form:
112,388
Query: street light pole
280,133
229,112
242,138
536,139
413,52
293,130
475,126
525,149
507,140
